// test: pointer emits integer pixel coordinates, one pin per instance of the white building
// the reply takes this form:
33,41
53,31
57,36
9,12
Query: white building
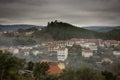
93,47
35,52
70,43
53,48
16,51
26,53
87,53
87,44
25,47
13,50
62,54
116,53
107,60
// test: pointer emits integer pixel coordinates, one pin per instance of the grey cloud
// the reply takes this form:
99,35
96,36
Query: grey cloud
32,2
78,12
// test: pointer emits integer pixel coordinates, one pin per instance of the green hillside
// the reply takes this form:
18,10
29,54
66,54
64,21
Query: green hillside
64,31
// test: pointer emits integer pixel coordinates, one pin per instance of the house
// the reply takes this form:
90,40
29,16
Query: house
25,72
87,44
53,48
87,53
29,33
13,50
35,52
25,47
61,66
61,43
111,43
54,68
93,47
62,54
26,53
116,53
107,60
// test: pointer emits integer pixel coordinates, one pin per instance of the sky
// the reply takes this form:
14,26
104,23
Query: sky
77,12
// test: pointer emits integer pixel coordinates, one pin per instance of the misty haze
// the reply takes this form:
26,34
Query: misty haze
59,40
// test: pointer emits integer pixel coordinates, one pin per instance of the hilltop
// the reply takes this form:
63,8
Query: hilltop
64,31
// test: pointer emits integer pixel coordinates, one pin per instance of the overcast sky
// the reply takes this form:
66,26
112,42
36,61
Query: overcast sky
76,12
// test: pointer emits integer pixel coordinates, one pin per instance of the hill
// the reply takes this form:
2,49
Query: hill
16,27
101,28
64,31
113,34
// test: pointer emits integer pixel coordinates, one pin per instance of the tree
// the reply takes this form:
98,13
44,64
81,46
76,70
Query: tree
108,75
115,68
40,71
82,74
9,66
30,66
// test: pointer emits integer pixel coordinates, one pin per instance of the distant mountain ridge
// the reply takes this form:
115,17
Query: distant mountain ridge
101,28
64,31
16,27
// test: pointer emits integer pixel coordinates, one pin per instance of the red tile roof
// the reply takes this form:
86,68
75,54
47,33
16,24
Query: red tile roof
53,68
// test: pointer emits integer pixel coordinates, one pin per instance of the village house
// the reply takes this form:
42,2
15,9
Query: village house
107,60
93,47
70,43
62,54
29,33
26,53
116,53
53,67
13,50
25,47
35,52
53,48
60,43
4,48
86,53
109,43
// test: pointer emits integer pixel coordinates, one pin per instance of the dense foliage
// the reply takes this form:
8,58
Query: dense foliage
10,67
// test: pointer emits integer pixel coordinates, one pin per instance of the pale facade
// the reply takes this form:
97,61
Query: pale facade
87,53
116,53
62,54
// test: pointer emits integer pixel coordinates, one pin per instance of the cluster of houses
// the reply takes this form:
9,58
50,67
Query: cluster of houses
89,47
61,48
24,50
